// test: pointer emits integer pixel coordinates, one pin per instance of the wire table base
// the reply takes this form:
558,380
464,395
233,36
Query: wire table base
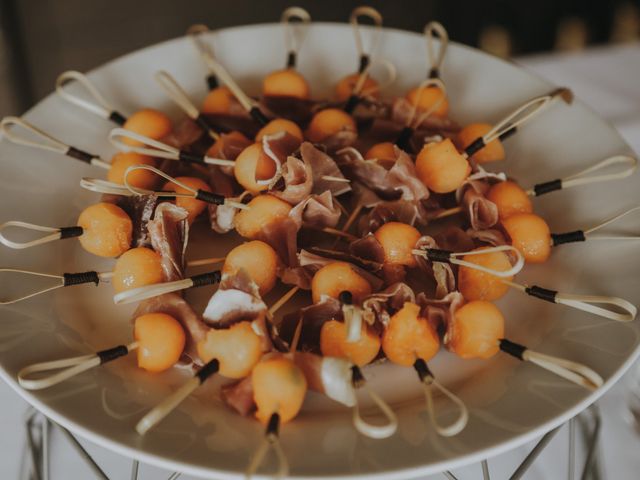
38,438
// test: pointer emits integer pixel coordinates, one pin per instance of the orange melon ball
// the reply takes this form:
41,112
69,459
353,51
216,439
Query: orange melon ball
237,349
409,337
138,178
193,206
328,122
215,151
254,164
491,152
530,235
441,168
106,230
477,285
333,343
262,210
258,259
148,122
285,83
280,125
398,240
344,88
477,328
426,98
160,339
338,277
510,199
384,152
279,386
218,101
137,267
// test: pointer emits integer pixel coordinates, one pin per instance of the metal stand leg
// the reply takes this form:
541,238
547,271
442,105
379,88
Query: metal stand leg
134,470
524,466
485,470
84,454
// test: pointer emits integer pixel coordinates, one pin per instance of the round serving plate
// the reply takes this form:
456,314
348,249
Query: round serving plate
510,402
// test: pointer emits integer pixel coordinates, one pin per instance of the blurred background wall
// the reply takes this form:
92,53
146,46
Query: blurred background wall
41,38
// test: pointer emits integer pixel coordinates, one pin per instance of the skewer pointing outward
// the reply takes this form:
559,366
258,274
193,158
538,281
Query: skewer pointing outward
373,431
155,148
295,21
270,440
413,122
195,33
55,233
100,107
44,141
436,29
180,98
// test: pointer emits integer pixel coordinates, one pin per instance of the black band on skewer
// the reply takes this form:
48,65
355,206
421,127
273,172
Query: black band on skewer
568,237
212,81
423,370
273,425
513,349
437,255
352,103
291,59
364,63
209,369
190,157
346,297
81,155
203,123
117,118
357,378
206,278
258,116
507,133
541,293
70,232
112,353
434,72
475,146
404,138
79,278
546,187
210,197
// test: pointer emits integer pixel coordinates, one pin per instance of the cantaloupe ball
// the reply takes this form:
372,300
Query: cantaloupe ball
328,122
215,151
237,349
218,101
383,152
258,259
280,125
254,164
441,168
510,199
279,386
426,98
530,235
491,152
477,285
106,230
262,210
398,240
344,88
137,267
148,122
477,328
333,343
193,206
409,337
338,277
138,178
160,339
285,83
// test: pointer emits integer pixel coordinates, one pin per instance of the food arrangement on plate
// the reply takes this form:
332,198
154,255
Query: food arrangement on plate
379,211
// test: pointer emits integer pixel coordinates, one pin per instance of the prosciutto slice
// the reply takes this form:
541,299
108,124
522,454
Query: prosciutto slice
239,396
236,299
140,209
442,273
380,306
169,233
440,312
322,165
317,211
298,181
292,108
313,317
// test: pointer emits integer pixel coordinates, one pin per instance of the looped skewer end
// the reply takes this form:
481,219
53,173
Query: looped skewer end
375,16
295,21
271,439
589,231
195,32
55,233
428,384
589,303
432,29
445,256
69,367
364,427
98,185
102,108
573,371
47,142
149,291
164,408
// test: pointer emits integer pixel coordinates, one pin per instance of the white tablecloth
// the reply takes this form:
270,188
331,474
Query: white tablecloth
608,80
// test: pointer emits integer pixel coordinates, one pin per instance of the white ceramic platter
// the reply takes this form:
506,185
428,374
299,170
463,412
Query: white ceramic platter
510,402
